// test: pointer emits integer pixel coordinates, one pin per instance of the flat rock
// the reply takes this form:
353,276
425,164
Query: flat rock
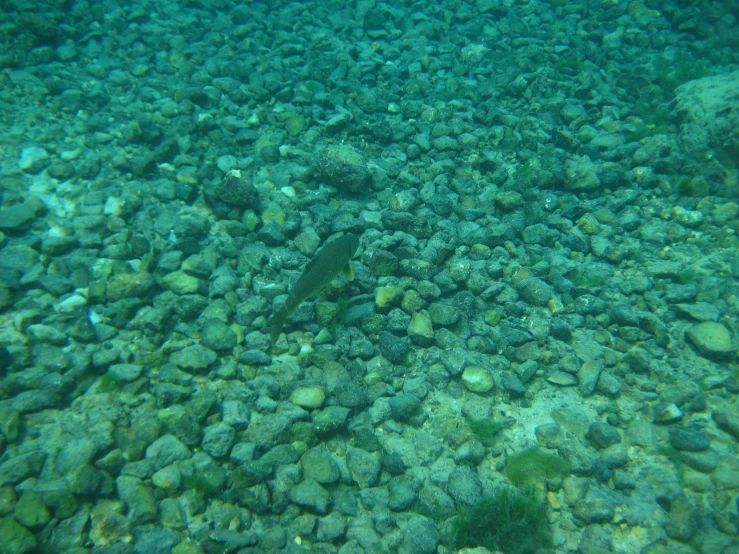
710,339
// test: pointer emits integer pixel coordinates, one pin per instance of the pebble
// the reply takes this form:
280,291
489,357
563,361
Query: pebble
477,379
218,336
534,291
311,495
393,347
218,439
139,498
165,450
364,467
318,465
195,357
308,397
603,435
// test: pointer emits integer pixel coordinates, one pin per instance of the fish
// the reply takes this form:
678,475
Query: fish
330,260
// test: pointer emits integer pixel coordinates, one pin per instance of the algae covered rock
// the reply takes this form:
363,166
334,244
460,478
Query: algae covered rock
343,167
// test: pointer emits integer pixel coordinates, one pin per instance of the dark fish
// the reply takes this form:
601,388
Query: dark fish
317,275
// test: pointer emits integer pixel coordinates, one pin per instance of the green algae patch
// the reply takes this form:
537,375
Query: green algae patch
533,466
506,520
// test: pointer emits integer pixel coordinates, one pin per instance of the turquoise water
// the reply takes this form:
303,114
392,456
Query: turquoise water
533,350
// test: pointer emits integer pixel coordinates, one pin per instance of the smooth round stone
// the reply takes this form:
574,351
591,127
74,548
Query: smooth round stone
477,379
308,397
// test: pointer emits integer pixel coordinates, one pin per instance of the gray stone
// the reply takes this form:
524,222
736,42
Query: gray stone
126,372
609,385
587,304
603,435
539,234
331,528
682,523
640,433
690,440
155,540
675,293
235,413
708,104
594,510
139,498
511,384
16,216
343,167
581,174
363,467
310,495
403,406
195,357
218,336
443,314
236,190
319,466
34,400
420,536
726,421
433,500
705,461
455,360
255,357
74,453
588,376
218,439
534,291
402,493
473,451
465,487
393,347
20,467
165,450
267,430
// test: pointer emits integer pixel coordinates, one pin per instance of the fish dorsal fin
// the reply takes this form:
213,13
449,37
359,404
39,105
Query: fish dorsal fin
348,272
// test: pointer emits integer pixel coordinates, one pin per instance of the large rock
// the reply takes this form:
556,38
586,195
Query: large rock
344,168
707,106
710,339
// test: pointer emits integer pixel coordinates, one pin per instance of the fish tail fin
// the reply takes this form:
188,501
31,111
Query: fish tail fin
277,321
